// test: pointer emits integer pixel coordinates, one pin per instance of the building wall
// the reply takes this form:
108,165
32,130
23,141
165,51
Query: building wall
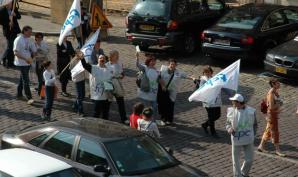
283,2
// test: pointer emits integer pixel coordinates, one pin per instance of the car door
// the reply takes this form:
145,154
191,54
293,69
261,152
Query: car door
292,18
89,153
274,30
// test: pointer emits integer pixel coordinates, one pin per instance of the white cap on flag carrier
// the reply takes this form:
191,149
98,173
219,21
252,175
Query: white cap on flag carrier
237,97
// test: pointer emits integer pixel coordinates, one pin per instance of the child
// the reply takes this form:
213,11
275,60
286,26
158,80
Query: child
49,78
136,115
147,125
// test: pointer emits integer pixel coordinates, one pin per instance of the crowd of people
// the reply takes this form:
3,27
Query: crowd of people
156,89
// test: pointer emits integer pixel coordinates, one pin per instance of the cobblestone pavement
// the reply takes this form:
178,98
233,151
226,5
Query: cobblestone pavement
186,138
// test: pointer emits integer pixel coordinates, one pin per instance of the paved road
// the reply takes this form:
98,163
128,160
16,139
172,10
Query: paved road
187,139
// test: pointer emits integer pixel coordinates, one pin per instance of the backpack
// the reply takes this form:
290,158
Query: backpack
143,81
264,106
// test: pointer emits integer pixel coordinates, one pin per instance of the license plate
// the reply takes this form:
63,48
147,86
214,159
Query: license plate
146,27
222,41
282,70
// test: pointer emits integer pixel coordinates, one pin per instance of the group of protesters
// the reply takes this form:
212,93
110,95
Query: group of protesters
156,89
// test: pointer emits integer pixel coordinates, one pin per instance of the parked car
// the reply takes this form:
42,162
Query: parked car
283,60
101,148
247,32
175,23
26,163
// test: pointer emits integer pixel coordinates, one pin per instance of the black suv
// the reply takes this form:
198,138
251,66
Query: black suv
177,23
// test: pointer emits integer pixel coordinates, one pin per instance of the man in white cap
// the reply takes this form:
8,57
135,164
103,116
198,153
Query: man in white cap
242,126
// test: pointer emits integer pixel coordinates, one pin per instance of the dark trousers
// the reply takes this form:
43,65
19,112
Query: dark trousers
101,108
39,74
121,108
47,110
64,83
8,56
213,115
80,89
24,82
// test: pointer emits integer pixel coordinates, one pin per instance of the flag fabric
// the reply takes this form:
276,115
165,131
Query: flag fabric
227,78
89,45
72,21
87,51
4,2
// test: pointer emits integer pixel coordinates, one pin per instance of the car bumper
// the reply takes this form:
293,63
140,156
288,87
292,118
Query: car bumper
227,52
290,72
151,40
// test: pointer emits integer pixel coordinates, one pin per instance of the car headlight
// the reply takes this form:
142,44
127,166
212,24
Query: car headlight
270,57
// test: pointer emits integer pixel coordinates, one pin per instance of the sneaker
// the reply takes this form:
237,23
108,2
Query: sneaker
126,122
280,154
64,94
160,122
30,101
168,123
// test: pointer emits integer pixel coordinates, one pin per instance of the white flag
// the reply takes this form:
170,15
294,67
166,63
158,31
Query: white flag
227,78
87,50
72,21
89,45
4,2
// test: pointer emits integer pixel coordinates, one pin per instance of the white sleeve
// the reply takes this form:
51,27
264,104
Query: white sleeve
49,78
139,124
32,47
182,74
45,47
16,44
155,130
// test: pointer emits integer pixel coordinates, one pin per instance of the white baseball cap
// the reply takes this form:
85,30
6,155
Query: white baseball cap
237,97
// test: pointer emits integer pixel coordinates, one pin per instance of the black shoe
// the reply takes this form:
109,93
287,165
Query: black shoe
205,126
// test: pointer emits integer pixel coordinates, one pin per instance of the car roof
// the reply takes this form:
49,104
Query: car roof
260,9
26,163
98,128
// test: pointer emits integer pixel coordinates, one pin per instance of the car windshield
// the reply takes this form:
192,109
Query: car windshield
148,154
2,174
244,21
64,173
156,8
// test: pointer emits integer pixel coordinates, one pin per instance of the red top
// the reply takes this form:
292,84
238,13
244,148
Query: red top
134,120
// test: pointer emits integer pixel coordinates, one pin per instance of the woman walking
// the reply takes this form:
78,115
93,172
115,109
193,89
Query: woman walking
100,86
65,52
167,91
213,109
41,57
274,104
49,78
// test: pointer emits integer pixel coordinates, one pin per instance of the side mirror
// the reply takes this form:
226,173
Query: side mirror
103,169
170,151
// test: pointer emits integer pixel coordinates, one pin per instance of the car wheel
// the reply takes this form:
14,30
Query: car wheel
188,45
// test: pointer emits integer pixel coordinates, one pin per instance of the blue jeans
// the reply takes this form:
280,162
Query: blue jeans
152,104
47,110
24,82
80,89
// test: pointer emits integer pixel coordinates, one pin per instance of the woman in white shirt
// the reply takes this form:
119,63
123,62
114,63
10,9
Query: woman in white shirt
117,68
99,83
49,78
149,98
40,58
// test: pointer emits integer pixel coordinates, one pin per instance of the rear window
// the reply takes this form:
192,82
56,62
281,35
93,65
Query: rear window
239,21
2,174
157,8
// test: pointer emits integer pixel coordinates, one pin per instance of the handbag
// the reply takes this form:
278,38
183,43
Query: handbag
108,86
143,81
163,96
264,106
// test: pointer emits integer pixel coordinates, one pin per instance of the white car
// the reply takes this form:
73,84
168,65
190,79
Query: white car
26,163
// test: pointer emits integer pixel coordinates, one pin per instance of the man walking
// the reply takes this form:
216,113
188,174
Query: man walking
24,49
242,126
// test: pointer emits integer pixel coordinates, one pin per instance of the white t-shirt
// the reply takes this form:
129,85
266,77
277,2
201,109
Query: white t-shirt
175,83
49,77
152,75
98,77
148,127
117,68
25,47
